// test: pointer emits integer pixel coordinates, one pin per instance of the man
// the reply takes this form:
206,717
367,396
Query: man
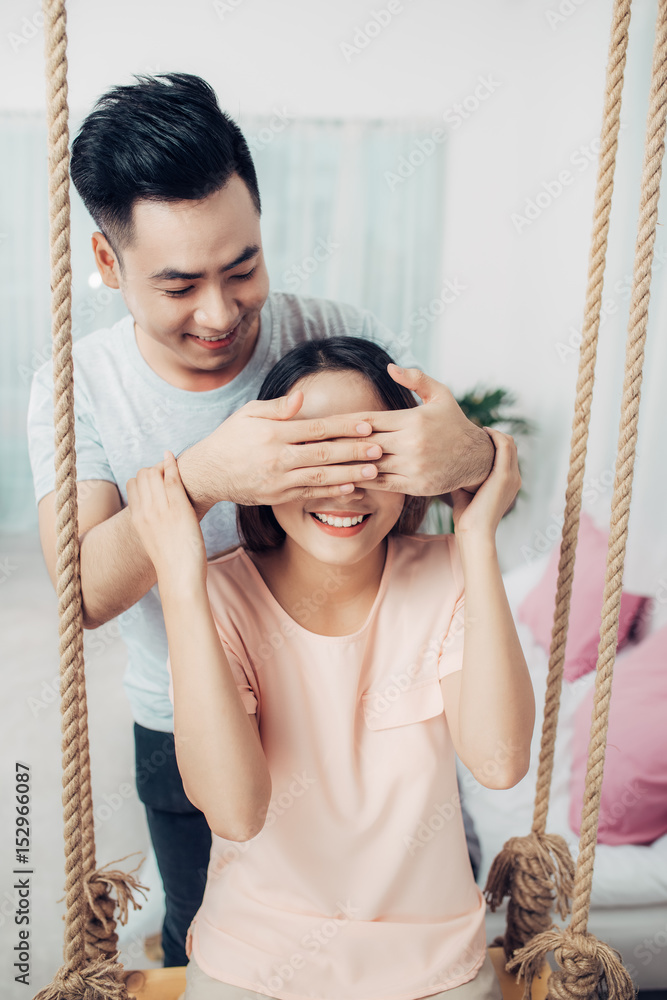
170,182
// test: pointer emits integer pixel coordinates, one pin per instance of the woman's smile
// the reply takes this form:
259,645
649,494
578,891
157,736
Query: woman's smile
341,523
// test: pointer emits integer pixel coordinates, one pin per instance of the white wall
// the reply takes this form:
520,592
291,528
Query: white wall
524,291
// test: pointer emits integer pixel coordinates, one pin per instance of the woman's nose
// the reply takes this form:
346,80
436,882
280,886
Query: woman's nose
357,494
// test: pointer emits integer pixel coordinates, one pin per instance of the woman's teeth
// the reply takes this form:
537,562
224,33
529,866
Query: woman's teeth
340,522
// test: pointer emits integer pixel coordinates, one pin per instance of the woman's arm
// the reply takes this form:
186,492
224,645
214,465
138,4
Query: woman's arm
218,749
489,704
496,707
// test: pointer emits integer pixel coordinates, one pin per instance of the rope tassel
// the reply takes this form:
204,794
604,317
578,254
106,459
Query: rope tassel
589,968
536,872
101,980
100,933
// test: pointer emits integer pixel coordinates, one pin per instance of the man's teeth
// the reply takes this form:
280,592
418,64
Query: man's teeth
224,337
339,522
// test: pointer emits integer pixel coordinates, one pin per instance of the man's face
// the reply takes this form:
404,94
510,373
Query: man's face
195,280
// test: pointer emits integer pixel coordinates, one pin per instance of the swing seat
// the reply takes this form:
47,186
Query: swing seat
169,984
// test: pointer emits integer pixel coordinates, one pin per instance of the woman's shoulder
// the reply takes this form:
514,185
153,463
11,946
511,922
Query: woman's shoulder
426,543
225,569
225,554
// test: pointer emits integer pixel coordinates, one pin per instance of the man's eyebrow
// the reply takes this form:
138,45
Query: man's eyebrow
172,274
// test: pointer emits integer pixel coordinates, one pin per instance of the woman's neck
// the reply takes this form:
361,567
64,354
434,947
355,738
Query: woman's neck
323,597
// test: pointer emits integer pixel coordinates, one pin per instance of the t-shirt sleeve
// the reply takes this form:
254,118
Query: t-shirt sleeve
245,680
451,650
91,458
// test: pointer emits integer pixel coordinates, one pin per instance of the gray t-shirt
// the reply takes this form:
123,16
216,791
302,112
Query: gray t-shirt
126,415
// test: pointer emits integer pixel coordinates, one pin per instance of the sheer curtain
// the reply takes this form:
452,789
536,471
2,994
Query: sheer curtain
335,223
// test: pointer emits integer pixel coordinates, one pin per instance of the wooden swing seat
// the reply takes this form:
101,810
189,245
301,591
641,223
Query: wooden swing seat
169,984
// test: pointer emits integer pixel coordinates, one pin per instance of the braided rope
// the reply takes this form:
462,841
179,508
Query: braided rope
513,871
582,406
627,444
588,967
90,950
68,585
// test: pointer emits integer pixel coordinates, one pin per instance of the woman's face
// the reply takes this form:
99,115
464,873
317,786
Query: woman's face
327,394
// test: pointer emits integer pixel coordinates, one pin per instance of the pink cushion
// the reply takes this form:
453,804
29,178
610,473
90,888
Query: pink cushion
633,806
583,634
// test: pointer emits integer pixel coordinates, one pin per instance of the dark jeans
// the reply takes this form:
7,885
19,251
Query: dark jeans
180,834
182,838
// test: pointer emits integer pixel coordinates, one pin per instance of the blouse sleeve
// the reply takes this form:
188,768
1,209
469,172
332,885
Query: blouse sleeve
245,679
451,651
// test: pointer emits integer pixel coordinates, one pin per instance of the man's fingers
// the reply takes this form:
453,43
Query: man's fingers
426,387
281,408
343,425
389,482
172,476
330,475
303,456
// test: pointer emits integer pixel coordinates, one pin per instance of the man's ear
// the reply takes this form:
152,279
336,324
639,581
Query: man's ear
106,259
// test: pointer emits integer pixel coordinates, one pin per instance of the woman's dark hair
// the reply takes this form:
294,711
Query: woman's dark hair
257,526
162,138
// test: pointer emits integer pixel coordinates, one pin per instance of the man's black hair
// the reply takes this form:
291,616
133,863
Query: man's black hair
162,138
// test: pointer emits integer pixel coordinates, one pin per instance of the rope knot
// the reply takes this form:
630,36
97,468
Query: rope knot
537,873
101,980
589,968
98,886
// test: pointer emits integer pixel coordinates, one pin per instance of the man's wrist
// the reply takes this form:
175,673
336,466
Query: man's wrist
192,469
481,456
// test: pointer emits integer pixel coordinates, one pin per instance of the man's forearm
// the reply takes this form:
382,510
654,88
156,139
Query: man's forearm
115,569
195,472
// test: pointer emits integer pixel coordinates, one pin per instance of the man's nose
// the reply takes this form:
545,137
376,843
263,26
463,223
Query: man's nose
214,313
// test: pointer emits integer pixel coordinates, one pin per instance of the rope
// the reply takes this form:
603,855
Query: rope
585,961
68,587
537,871
89,922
